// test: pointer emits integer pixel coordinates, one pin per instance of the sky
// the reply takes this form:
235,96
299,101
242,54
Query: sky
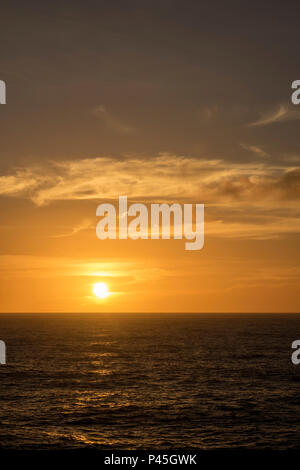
162,101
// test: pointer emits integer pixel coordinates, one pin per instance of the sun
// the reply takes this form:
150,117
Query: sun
100,290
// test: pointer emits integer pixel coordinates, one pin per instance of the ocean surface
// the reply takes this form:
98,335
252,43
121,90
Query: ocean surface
155,381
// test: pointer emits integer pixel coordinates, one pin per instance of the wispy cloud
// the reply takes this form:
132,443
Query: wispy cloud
283,113
111,121
37,267
256,150
19,183
269,227
84,225
164,177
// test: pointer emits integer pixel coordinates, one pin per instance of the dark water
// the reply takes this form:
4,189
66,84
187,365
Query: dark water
149,381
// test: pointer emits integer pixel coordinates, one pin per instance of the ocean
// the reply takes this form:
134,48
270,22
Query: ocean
149,381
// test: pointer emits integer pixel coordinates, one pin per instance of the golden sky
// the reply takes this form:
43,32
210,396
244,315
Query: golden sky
162,104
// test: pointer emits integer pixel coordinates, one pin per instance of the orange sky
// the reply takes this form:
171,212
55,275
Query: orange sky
51,256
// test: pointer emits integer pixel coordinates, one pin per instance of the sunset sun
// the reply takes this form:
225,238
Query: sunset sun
100,290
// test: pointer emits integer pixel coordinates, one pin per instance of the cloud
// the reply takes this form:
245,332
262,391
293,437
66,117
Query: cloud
44,267
291,159
101,113
283,113
161,178
84,225
19,183
269,227
258,151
